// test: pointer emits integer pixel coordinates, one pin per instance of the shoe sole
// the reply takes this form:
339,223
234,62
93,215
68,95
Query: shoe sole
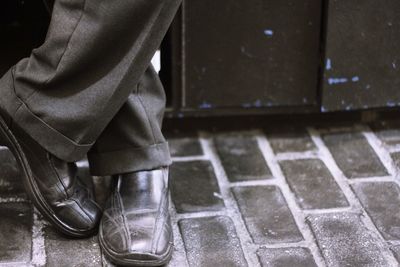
114,258
9,140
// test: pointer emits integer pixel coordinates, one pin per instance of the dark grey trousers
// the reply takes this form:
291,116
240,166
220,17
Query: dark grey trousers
90,88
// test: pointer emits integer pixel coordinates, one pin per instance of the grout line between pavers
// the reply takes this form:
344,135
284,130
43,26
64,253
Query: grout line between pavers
371,180
343,183
296,155
254,183
301,244
379,148
38,242
326,211
200,214
232,209
384,154
189,158
298,215
15,264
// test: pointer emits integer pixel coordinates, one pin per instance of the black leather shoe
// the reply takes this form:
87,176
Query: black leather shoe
136,227
52,185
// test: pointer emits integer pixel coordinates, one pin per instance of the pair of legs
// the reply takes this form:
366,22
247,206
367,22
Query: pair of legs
90,87
90,90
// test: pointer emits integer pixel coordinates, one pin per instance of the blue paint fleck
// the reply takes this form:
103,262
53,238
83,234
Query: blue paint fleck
180,115
269,32
258,103
323,109
328,64
337,80
394,65
205,105
355,79
348,108
391,104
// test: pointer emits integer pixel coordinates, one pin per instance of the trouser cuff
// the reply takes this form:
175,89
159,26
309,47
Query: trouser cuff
130,160
49,138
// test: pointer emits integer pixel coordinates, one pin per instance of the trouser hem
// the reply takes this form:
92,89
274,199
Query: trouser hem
130,160
49,138
16,112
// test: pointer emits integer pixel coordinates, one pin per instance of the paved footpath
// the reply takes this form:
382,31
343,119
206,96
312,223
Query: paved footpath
285,197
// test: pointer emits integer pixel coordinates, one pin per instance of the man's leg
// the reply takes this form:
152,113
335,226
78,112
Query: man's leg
62,97
136,227
71,87
133,140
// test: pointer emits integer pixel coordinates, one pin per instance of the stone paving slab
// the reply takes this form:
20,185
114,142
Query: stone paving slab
229,210
211,242
10,184
266,214
313,184
194,187
182,145
382,202
241,157
388,132
16,221
290,139
354,155
285,257
62,252
345,241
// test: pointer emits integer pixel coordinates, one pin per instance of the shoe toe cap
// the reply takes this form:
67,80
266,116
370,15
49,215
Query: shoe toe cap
134,241
79,215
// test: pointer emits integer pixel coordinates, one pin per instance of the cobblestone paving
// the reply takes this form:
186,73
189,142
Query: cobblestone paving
266,197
